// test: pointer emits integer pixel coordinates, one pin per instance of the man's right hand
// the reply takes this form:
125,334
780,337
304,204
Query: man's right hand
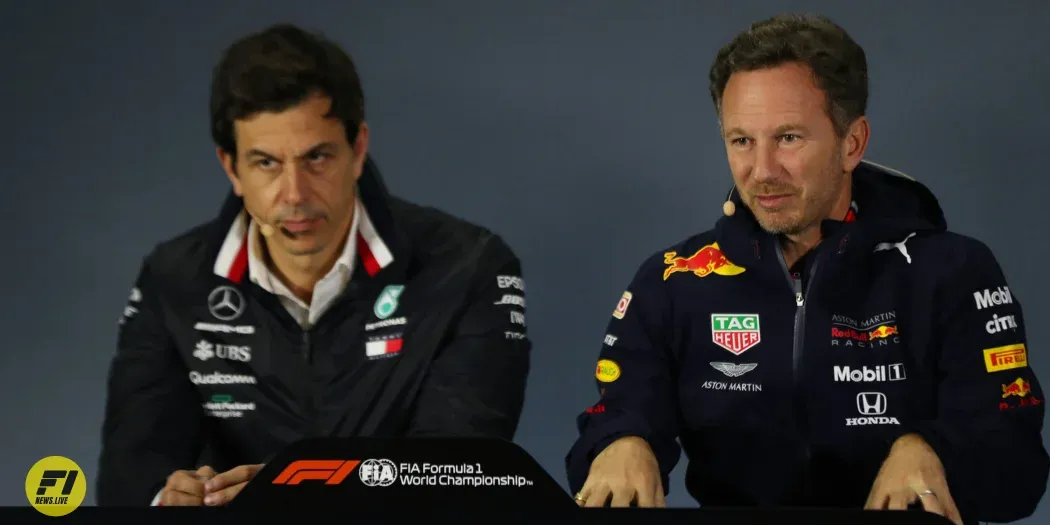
185,488
627,471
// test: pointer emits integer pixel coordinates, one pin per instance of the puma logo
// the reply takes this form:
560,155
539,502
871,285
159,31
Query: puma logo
898,245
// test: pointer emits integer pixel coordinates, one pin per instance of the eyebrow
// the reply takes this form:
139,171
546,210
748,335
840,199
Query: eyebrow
780,130
256,152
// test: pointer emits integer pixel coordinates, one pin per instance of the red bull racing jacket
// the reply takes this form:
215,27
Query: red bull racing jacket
787,386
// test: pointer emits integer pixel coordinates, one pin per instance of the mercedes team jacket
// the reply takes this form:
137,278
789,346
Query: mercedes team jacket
788,389
429,338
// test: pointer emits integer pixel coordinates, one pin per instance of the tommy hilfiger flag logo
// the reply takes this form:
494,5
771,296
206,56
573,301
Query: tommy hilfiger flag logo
383,348
735,332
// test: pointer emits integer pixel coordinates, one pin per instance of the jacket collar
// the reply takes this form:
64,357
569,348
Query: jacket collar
379,238
891,206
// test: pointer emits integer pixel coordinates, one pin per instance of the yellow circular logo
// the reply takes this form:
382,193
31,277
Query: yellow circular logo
56,486
608,371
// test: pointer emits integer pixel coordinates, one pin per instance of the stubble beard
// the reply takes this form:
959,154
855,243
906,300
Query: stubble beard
814,208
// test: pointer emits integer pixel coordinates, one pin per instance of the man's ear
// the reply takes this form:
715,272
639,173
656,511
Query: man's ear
855,144
229,165
360,147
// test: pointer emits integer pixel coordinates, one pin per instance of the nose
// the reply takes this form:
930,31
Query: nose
766,167
295,184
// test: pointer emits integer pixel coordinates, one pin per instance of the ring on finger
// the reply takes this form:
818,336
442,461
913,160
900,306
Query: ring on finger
927,492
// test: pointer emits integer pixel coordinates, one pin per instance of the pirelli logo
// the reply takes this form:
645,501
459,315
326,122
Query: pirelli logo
1005,357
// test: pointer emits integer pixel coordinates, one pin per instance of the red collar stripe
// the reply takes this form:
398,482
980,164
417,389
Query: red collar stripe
240,263
232,261
371,248
369,260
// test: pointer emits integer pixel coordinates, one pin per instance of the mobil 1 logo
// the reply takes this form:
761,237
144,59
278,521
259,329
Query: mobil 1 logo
870,374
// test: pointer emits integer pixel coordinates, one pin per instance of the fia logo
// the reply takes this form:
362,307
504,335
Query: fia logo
378,472
386,304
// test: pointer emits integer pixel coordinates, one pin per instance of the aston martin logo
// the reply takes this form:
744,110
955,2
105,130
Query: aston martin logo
734,369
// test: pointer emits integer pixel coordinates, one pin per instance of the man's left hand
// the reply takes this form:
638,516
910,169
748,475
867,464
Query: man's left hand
222,488
912,471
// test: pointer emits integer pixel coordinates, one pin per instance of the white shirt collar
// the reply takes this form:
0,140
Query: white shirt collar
261,275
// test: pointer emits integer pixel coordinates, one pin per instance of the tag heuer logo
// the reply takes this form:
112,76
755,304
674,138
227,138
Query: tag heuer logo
735,332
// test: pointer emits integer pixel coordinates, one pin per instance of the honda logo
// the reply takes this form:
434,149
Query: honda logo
871,403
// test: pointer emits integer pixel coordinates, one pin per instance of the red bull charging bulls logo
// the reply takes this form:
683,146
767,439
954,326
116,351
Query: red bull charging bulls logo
704,262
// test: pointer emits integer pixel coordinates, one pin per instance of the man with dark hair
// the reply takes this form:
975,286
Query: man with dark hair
829,342
315,304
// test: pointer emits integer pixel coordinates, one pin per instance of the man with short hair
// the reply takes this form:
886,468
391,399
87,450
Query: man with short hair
316,304
829,342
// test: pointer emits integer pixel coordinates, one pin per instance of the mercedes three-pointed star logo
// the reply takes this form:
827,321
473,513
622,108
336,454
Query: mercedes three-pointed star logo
226,303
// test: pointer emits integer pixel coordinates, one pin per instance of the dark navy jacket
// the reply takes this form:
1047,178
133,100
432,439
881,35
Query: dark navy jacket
786,391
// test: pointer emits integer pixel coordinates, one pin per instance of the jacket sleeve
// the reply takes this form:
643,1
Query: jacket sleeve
475,386
635,379
987,431
153,417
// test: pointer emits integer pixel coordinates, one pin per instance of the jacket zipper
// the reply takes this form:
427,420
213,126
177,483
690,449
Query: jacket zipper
797,348
800,312
311,409
306,346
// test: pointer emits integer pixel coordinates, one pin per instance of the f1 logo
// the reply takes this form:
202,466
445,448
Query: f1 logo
871,403
332,471
51,478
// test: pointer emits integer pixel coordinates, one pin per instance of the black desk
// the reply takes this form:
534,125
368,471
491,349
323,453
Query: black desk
367,480
356,515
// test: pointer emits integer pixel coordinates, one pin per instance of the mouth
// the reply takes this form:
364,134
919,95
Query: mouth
299,225
772,201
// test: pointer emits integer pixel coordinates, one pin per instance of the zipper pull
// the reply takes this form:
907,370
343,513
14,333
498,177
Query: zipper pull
799,301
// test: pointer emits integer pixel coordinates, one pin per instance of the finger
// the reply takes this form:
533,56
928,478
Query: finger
598,496
183,481
172,498
660,501
229,478
932,502
224,496
876,499
876,496
205,473
583,495
899,500
621,497
947,503
646,495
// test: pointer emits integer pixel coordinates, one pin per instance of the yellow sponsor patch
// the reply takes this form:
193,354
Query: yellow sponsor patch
1005,357
607,371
